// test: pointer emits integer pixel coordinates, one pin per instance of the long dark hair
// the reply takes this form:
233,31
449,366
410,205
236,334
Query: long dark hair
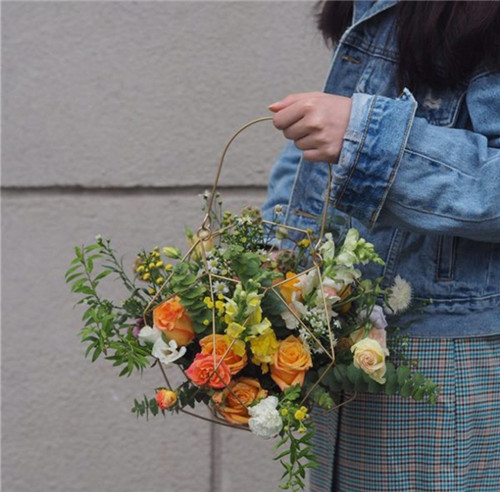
440,43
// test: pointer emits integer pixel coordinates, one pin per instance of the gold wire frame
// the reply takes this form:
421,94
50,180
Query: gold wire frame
205,234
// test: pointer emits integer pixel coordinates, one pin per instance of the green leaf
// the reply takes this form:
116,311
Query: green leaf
72,277
72,269
78,253
403,374
407,389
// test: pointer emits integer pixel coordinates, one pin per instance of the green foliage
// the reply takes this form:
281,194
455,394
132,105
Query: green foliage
191,291
296,435
145,407
107,328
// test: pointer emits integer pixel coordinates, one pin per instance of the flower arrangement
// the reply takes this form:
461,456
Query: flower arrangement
262,335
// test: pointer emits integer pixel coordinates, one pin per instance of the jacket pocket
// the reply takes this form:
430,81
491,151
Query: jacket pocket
439,107
446,258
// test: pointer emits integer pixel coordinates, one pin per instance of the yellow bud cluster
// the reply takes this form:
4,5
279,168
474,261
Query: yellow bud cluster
301,413
208,302
305,243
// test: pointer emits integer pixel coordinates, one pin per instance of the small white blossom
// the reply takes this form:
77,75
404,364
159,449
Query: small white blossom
220,287
278,209
148,335
167,353
265,420
400,297
213,265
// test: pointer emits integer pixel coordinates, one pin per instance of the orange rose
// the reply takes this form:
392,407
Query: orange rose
166,398
202,372
290,363
289,287
233,401
235,358
172,319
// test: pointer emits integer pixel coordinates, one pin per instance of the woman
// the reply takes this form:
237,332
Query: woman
410,116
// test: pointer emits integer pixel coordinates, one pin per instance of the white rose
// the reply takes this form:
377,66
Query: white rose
265,420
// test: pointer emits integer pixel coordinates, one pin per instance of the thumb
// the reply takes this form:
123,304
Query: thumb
290,99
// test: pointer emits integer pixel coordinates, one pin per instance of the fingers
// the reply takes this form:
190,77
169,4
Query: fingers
286,117
296,131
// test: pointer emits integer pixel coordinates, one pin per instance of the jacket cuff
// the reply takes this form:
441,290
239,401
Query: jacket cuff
371,153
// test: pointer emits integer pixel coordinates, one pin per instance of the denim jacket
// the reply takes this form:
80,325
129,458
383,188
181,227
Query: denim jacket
418,175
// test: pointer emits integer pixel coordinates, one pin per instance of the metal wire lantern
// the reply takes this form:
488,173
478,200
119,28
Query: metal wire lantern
206,234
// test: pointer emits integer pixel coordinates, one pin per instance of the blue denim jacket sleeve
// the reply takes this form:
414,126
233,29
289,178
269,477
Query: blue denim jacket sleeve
399,169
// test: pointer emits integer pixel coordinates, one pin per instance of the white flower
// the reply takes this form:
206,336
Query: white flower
400,296
148,335
308,282
167,353
220,288
330,290
265,419
292,320
213,265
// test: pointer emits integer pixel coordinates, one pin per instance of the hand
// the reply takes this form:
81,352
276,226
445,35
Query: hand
315,121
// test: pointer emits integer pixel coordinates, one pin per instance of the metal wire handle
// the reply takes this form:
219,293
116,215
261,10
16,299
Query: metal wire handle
205,231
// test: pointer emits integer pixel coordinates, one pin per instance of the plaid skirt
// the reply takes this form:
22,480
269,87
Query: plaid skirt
378,443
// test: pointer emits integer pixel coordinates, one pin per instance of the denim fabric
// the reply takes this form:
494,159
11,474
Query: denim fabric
418,175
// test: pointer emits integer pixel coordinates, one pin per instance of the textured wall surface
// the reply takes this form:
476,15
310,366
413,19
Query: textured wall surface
113,118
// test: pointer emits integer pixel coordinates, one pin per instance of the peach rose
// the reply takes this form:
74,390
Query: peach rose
290,363
236,357
166,398
369,356
233,402
202,371
171,318
289,287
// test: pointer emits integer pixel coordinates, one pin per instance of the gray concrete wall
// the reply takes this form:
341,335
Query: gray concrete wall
113,118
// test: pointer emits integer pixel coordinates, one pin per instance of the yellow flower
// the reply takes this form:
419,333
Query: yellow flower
220,307
146,276
284,412
206,322
263,348
140,268
168,266
261,328
304,243
151,265
290,286
159,264
300,414
234,330
208,302
151,291
159,280
231,311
